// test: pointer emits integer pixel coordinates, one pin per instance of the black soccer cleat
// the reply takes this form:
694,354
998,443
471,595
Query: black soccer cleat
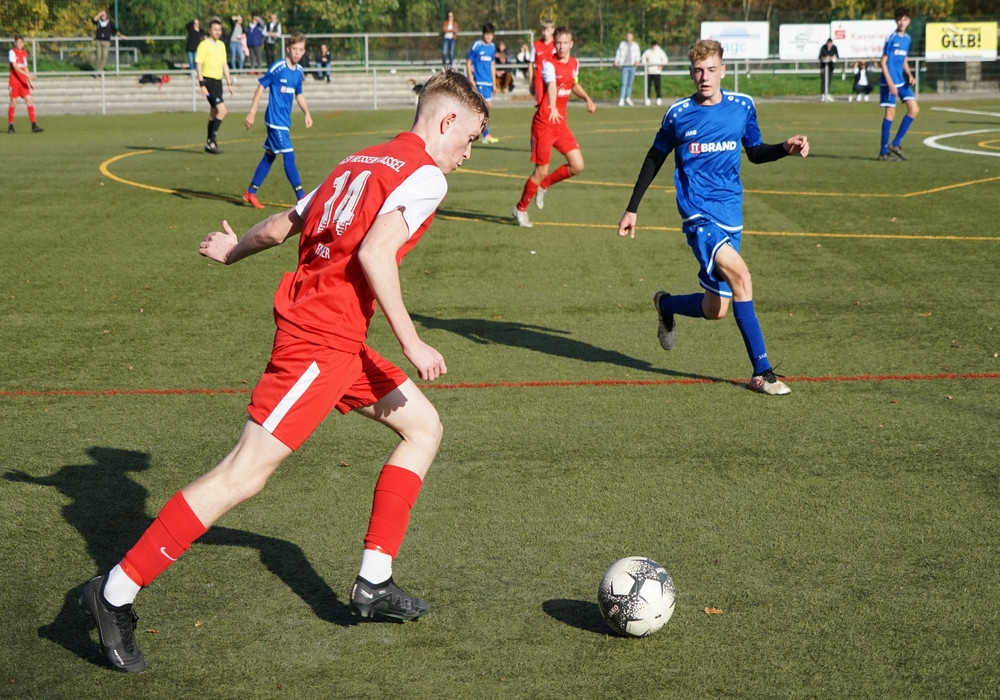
10,129
666,331
115,627
385,600
35,129
212,147
898,152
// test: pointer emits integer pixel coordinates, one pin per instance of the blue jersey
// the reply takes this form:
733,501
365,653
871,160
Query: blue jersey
896,48
706,144
283,84
481,56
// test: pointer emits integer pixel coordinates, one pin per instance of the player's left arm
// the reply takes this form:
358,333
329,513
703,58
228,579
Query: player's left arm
377,255
223,246
300,100
582,94
229,78
769,152
909,74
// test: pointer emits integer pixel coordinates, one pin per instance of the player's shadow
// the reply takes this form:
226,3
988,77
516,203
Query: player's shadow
107,508
581,614
550,341
476,216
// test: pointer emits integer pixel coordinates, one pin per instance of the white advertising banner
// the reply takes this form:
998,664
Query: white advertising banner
861,38
801,42
739,39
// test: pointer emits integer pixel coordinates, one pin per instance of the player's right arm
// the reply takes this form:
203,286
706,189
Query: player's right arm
655,158
223,246
887,76
254,104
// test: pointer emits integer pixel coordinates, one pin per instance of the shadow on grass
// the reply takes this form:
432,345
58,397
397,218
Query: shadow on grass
582,614
107,508
550,341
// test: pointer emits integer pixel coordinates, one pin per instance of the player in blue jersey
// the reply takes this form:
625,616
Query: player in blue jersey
480,65
705,132
896,82
283,81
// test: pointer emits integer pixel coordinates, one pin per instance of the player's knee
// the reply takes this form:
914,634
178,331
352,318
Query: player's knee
575,168
914,109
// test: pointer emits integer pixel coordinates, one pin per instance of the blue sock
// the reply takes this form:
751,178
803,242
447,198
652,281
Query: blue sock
260,174
291,172
903,128
753,339
686,305
886,133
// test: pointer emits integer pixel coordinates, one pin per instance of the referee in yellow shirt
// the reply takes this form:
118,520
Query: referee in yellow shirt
210,66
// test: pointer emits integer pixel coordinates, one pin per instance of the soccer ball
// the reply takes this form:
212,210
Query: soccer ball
636,596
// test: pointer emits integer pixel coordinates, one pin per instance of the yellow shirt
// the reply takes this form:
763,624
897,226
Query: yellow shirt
212,57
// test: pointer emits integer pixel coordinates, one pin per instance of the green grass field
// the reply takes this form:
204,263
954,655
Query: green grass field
848,532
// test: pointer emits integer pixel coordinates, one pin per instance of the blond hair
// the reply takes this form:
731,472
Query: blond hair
454,86
706,48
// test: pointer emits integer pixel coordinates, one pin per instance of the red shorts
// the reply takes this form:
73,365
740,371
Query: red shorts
546,136
303,382
19,91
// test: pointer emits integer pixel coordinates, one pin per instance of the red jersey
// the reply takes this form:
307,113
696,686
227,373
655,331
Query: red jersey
542,52
328,300
18,57
564,76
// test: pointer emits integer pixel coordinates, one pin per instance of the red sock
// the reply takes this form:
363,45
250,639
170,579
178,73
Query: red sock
170,535
31,114
558,175
395,493
10,115
529,191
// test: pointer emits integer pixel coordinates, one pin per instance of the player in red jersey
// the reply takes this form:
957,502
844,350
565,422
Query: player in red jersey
542,49
20,84
549,128
354,230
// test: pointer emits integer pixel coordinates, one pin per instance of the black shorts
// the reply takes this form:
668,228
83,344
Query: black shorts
214,87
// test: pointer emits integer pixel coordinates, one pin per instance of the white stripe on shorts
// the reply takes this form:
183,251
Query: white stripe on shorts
289,399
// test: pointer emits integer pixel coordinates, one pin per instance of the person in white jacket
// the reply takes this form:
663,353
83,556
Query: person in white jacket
627,59
653,60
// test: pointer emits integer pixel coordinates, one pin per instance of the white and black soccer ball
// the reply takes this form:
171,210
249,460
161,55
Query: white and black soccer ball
636,596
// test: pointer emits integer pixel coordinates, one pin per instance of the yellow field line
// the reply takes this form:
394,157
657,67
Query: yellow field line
797,234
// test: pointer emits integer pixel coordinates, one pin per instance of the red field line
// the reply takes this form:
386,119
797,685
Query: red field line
522,385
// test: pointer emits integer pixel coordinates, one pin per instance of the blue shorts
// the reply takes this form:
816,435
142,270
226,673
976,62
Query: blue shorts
887,99
278,141
705,238
485,90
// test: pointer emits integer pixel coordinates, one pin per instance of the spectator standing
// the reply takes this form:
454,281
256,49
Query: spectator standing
828,56
481,67
104,30
449,37
19,84
653,59
272,32
237,40
627,59
862,84
194,37
255,44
